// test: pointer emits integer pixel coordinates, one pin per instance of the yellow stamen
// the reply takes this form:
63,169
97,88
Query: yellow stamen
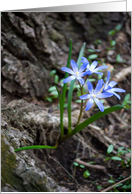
94,95
77,73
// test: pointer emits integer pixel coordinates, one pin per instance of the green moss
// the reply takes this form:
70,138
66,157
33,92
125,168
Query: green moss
8,163
54,35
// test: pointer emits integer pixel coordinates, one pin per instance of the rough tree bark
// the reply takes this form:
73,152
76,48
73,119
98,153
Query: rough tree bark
35,43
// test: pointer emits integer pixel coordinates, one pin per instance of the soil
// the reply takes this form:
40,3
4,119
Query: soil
60,163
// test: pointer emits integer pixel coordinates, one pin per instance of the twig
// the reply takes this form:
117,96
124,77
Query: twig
118,118
99,167
65,170
122,74
115,184
99,134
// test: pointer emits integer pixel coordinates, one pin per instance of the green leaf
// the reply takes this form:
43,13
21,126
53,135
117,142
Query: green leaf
49,99
97,41
76,164
82,166
56,79
65,105
111,181
36,147
107,158
53,72
127,97
129,186
110,149
99,76
91,50
52,88
93,118
64,91
118,58
116,158
118,27
128,149
92,80
99,187
111,32
71,88
78,101
121,148
112,42
124,187
115,190
86,174
61,112
54,93
93,56
120,184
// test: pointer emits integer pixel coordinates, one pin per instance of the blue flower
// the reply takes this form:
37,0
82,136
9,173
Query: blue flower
94,95
75,73
92,68
108,87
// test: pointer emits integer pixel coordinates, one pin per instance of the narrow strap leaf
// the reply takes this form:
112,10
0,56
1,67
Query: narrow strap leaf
81,55
93,118
36,147
62,97
61,112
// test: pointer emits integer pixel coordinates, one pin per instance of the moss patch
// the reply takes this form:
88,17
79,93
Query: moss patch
8,164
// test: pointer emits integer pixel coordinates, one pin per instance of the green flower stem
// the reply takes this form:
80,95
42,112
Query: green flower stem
81,109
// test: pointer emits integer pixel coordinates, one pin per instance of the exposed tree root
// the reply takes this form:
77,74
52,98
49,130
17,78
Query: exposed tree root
122,74
99,167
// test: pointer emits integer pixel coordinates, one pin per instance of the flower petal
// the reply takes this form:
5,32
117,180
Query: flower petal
68,79
112,83
99,73
90,87
99,104
89,104
74,66
81,80
100,68
84,60
68,70
82,74
98,86
117,95
83,67
94,64
108,77
104,95
88,72
84,97
118,90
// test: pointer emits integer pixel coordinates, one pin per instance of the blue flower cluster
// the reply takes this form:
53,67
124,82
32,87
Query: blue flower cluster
102,90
